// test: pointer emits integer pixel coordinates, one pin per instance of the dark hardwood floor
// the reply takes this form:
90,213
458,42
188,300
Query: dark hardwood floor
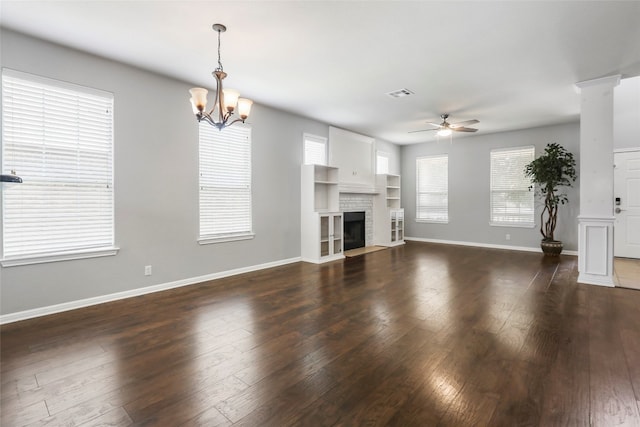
419,335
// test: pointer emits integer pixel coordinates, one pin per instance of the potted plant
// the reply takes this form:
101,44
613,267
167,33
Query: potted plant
553,169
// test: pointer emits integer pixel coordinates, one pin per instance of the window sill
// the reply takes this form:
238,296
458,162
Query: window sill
60,256
223,239
513,224
433,221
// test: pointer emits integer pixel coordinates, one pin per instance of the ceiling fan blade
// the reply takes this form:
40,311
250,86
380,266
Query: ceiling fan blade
438,125
423,130
463,129
466,122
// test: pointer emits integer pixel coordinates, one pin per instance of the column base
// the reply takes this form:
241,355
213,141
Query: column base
595,250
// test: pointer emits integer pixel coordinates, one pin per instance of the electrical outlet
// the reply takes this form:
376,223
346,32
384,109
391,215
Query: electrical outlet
507,236
147,270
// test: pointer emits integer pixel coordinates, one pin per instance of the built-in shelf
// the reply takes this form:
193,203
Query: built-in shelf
321,219
388,215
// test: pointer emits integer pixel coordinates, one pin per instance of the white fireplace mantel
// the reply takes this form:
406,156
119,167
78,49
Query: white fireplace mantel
357,189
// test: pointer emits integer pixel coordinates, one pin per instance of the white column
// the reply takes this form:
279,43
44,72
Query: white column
595,234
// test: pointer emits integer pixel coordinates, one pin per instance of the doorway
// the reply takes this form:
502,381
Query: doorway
626,248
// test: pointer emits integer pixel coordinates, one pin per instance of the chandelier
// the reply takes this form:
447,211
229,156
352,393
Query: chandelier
226,100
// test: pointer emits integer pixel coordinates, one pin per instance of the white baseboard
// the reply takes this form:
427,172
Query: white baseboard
591,279
72,305
485,245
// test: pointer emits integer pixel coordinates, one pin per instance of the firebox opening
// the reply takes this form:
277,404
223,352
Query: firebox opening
354,233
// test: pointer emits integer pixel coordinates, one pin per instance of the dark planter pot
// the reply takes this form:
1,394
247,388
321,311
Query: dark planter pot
551,247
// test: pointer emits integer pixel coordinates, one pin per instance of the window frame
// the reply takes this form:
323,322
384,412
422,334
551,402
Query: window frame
212,238
418,192
511,224
91,250
318,140
383,155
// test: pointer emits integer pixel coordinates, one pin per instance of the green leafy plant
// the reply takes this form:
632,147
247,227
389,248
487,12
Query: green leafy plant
553,169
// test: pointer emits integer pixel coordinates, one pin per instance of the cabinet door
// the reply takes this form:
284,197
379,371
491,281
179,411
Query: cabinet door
330,234
325,235
400,226
394,225
337,234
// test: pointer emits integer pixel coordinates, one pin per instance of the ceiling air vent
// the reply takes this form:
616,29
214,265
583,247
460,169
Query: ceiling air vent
400,93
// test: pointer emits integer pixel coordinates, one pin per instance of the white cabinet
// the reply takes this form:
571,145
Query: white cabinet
397,226
321,221
388,215
331,241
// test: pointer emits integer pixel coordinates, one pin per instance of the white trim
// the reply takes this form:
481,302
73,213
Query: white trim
223,239
47,81
595,242
520,147
357,189
611,81
485,245
72,305
590,279
315,138
380,153
626,150
433,221
513,224
589,218
322,260
55,257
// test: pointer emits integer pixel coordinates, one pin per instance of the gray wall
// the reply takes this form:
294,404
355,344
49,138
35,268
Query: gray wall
469,166
156,185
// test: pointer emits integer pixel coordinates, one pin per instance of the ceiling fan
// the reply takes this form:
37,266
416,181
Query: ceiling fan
445,128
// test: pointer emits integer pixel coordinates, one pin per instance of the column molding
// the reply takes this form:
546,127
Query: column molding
611,81
595,250
596,220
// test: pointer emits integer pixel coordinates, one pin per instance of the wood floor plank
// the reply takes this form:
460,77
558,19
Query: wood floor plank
17,414
570,369
613,402
417,335
116,418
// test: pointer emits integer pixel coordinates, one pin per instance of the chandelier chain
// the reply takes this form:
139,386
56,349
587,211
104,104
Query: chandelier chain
219,60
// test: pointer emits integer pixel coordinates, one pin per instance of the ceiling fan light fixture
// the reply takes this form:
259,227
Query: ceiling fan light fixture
444,132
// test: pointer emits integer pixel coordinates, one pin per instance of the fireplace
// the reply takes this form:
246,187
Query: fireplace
354,233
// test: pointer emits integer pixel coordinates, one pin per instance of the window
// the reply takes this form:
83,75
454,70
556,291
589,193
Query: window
511,200
432,184
225,183
382,162
315,150
59,138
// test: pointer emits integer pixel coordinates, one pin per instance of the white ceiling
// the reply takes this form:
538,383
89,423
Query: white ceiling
509,64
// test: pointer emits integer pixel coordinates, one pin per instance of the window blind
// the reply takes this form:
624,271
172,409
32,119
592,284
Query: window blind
225,181
382,163
432,176
511,201
315,150
59,138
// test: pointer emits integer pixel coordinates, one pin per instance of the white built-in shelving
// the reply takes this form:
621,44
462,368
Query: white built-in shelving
388,215
321,219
